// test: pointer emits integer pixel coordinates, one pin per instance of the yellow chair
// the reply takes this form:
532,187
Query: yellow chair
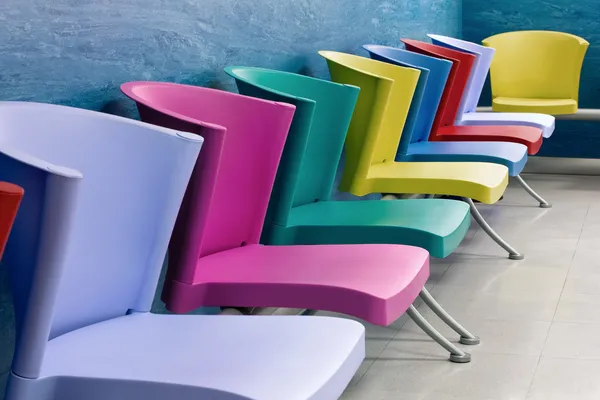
536,71
381,111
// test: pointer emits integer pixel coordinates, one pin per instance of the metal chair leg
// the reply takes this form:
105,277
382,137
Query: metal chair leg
466,337
512,253
456,354
532,193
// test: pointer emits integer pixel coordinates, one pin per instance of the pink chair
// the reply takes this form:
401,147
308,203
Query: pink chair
215,258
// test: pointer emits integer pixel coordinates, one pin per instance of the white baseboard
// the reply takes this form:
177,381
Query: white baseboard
563,166
583,114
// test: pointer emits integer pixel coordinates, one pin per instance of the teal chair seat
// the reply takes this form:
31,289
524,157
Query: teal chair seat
436,225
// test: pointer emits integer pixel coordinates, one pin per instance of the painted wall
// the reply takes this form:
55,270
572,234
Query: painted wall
78,52
582,18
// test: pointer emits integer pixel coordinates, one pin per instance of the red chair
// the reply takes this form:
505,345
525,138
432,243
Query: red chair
443,128
10,198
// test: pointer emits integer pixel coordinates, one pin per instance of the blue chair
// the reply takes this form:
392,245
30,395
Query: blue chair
101,197
414,144
467,114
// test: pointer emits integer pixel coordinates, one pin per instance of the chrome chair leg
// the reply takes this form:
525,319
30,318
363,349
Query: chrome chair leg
532,193
466,337
512,253
456,354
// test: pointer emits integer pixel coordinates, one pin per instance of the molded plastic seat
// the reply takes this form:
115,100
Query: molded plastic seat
85,255
436,225
525,135
544,122
547,106
475,181
212,357
423,109
301,210
373,282
508,154
536,71
374,137
467,115
451,103
214,256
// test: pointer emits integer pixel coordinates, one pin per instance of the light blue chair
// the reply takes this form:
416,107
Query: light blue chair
414,143
468,114
101,197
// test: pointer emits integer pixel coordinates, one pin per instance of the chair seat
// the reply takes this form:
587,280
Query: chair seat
157,357
511,155
375,282
543,106
484,182
436,225
526,135
541,121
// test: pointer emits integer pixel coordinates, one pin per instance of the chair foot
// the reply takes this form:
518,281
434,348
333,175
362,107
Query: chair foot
470,341
456,354
532,193
466,337
460,359
512,253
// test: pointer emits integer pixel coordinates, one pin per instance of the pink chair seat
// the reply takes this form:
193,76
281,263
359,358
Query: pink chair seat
374,282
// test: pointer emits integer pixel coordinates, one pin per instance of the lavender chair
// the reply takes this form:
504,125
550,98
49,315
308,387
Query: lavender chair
85,254
467,114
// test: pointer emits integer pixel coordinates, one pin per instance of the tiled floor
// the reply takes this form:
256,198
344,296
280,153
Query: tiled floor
539,319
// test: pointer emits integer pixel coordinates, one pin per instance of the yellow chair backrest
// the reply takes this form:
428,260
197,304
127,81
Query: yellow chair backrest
536,64
386,92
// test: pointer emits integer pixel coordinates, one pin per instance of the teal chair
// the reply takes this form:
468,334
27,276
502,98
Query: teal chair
301,210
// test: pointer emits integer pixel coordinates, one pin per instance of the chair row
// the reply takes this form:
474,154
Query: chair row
248,221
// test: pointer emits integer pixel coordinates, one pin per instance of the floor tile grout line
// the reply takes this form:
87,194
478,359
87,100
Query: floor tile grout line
570,264
556,308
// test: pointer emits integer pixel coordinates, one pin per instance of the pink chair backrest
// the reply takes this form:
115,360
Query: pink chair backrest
227,198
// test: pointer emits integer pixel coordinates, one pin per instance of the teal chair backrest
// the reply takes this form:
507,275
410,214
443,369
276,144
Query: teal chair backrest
315,141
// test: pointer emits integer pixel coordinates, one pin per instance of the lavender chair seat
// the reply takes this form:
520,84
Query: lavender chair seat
544,122
156,357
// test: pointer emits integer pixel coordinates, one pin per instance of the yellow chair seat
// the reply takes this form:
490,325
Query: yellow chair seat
484,182
542,106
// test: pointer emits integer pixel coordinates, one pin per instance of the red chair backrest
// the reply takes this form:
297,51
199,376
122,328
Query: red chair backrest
462,63
10,198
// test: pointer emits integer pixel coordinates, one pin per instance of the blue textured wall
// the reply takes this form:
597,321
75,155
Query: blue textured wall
582,18
78,52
